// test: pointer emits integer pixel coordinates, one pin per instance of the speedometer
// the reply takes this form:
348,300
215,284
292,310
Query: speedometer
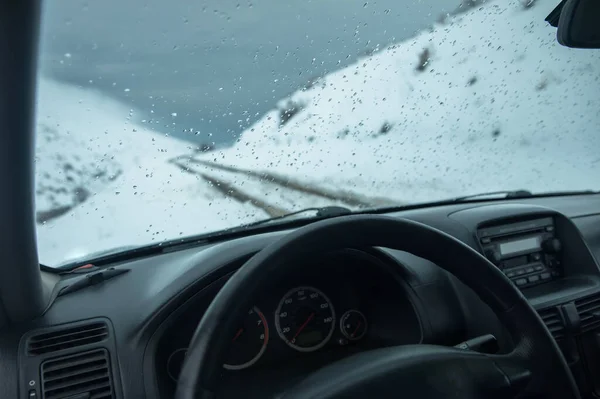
305,319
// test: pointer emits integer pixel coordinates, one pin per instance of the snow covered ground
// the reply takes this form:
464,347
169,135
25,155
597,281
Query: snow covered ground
486,101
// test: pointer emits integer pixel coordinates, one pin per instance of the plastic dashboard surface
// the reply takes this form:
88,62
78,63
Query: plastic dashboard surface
139,302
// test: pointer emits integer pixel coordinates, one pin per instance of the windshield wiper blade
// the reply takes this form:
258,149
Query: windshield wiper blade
512,194
320,213
92,278
502,194
130,252
96,255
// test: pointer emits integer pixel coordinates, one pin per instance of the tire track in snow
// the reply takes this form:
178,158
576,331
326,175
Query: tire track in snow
228,190
342,197
267,191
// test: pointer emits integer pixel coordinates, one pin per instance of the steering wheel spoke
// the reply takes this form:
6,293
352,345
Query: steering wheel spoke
516,370
429,370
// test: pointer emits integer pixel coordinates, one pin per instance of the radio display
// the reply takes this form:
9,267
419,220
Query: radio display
526,244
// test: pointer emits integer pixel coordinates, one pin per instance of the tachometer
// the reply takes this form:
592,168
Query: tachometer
305,319
249,341
353,325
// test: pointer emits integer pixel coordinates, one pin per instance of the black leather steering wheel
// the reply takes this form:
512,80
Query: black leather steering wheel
536,364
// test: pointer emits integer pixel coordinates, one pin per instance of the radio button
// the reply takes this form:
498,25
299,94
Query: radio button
539,268
511,274
545,276
486,240
520,281
529,270
494,256
533,279
519,272
535,257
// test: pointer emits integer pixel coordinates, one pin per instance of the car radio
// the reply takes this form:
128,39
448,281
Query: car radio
527,252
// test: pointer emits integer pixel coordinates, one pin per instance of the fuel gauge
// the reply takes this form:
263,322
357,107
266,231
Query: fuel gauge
353,325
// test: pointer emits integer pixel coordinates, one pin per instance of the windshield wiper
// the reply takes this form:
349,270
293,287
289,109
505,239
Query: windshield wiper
515,194
125,253
320,213
129,252
502,194
95,255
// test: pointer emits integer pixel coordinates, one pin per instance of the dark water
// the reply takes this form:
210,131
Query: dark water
217,64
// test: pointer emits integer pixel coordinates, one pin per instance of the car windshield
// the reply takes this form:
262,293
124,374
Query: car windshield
159,120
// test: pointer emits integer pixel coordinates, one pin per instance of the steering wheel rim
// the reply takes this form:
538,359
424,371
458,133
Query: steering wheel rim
535,349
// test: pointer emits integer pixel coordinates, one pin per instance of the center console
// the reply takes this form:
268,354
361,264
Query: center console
544,254
528,252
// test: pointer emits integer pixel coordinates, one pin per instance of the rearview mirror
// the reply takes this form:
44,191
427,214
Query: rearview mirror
579,24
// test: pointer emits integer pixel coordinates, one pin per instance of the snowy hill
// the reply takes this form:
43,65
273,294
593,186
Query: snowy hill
496,103
70,163
486,101
84,142
103,181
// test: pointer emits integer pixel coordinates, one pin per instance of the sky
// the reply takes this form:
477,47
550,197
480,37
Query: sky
205,70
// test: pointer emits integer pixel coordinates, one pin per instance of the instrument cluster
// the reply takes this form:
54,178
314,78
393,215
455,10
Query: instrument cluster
333,308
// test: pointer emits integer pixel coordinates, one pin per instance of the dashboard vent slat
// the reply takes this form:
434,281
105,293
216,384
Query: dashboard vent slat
553,321
66,338
81,375
589,312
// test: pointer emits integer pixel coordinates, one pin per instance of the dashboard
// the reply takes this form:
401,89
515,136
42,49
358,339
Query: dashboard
327,308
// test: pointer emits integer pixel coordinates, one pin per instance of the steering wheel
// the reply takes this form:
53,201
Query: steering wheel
536,364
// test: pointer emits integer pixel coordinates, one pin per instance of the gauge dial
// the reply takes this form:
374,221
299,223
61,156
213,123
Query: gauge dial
175,362
305,319
249,341
353,325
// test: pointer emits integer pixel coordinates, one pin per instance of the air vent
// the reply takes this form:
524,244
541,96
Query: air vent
589,312
84,375
67,338
553,321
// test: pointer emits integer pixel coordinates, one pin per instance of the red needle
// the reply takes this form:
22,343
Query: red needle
356,329
304,325
237,334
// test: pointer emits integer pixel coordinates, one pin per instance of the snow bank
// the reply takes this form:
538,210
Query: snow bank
499,104
135,196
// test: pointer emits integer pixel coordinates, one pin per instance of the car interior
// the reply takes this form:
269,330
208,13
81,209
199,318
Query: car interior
478,298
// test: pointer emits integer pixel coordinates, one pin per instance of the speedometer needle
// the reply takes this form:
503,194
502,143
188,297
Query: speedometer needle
356,329
237,334
304,325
